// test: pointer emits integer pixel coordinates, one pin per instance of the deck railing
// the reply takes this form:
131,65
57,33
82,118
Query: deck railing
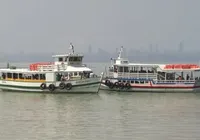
175,81
133,75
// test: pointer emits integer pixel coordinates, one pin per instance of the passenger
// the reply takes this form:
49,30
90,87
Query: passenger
81,75
62,78
188,77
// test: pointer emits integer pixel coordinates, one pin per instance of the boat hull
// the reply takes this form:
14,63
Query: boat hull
88,87
151,87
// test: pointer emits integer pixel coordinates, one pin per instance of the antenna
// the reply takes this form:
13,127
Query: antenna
72,47
120,52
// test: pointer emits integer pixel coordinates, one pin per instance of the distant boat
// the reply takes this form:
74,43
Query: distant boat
67,74
140,77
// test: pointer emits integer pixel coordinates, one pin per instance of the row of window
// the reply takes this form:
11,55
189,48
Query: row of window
134,81
61,59
131,69
23,76
74,73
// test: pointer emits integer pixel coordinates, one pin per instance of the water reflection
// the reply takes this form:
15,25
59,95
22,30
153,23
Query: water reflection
99,116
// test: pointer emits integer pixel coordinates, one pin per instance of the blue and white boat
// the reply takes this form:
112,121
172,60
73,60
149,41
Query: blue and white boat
139,77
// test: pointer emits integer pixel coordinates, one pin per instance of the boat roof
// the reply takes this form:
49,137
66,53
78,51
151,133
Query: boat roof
160,67
26,70
138,64
20,70
67,55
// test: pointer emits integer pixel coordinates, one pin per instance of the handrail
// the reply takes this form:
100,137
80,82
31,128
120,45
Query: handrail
172,81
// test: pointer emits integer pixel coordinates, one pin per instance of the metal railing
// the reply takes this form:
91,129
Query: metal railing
174,81
133,75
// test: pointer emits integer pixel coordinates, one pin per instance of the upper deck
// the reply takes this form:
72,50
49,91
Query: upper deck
122,68
122,64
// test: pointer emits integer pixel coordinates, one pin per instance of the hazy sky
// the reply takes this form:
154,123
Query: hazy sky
50,25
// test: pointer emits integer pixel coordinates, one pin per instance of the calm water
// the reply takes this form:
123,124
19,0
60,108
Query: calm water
103,116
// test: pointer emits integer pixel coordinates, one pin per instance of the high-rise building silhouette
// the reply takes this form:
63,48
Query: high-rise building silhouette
90,49
150,47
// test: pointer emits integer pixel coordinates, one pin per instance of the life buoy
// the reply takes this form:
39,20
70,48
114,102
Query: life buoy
121,85
52,87
111,85
43,86
128,85
107,82
62,85
68,86
116,84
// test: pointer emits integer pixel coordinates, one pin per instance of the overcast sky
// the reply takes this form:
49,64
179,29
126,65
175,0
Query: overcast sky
50,25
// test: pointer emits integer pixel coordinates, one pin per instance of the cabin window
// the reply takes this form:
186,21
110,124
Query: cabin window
9,75
3,75
126,69
79,58
136,69
80,73
132,82
66,59
75,73
143,70
21,76
120,69
42,77
35,76
60,59
75,58
71,59
15,75
141,82
137,82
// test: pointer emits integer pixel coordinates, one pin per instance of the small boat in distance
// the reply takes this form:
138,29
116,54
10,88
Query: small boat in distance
140,77
67,74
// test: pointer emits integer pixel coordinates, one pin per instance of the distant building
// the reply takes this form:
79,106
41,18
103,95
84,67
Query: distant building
150,48
89,49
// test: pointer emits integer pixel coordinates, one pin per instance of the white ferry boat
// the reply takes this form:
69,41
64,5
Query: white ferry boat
67,74
138,77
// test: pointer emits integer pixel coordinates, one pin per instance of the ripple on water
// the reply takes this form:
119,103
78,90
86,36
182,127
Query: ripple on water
110,116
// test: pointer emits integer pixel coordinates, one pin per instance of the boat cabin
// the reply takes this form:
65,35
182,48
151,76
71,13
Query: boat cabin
121,68
22,75
68,59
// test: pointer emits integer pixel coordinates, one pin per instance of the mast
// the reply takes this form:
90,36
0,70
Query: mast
72,48
120,52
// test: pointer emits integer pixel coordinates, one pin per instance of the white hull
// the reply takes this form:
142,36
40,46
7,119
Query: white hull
152,87
82,89
91,86
165,90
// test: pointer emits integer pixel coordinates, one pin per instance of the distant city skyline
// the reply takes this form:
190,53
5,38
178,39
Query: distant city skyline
49,26
102,55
